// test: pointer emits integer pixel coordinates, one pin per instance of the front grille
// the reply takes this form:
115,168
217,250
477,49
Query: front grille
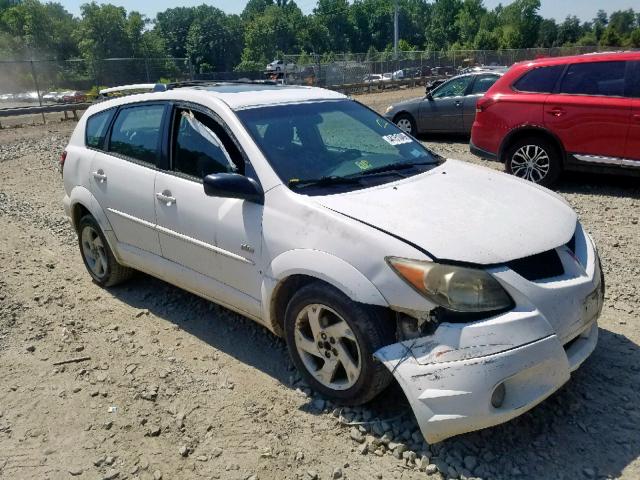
537,267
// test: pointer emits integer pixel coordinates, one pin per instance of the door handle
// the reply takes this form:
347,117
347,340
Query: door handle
166,198
100,176
458,103
556,112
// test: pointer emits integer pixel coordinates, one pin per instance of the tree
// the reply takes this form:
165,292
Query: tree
467,21
102,32
333,16
173,26
569,31
520,23
486,40
547,33
600,22
212,40
36,30
610,38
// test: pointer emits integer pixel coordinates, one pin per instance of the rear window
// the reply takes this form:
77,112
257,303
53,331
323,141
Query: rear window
595,78
96,130
483,83
136,132
539,80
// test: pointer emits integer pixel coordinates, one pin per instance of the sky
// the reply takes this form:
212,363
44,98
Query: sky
558,9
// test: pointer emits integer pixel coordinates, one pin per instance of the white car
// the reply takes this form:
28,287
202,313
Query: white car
372,256
280,66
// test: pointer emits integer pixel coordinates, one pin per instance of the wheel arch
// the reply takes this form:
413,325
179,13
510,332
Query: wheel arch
530,130
293,269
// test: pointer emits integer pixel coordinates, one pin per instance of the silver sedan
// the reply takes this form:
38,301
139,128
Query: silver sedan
450,107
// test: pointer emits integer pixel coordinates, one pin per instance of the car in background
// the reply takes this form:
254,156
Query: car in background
50,97
565,113
280,66
448,108
372,78
74,96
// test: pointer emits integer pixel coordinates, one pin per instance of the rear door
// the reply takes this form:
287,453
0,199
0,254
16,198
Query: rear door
481,84
589,111
633,138
442,111
123,174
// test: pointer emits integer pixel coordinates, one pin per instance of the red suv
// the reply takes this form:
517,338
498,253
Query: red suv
564,113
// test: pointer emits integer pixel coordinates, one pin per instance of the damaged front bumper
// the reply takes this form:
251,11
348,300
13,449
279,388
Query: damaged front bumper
455,396
465,377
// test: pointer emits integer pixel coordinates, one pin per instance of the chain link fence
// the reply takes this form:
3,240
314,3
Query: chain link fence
44,82
381,68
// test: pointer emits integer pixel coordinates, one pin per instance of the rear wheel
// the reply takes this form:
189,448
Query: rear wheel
535,159
97,256
406,123
331,340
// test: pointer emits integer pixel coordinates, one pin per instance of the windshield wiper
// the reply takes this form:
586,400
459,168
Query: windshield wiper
392,167
322,181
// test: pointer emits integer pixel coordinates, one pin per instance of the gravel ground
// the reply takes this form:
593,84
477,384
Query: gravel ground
171,388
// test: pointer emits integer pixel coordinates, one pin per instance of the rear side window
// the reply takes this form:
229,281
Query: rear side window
539,80
595,78
483,83
136,132
96,130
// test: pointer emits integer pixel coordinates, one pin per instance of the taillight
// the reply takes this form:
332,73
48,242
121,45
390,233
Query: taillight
484,103
63,157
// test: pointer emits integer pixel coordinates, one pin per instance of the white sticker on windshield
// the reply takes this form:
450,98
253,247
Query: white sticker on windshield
397,139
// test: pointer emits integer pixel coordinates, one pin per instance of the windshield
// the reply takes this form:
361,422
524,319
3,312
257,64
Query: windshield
334,140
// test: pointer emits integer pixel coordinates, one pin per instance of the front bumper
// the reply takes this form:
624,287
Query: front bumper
450,376
453,397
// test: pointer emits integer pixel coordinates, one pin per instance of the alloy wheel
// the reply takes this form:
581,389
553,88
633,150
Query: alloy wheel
530,162
327,347
94,252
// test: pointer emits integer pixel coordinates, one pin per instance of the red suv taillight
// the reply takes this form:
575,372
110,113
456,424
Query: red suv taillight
484,103
63,157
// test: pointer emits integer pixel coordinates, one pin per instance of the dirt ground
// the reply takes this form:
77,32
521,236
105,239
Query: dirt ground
175,387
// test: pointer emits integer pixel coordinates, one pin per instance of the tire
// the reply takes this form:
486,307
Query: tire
346,336
406,123
97,255
535,159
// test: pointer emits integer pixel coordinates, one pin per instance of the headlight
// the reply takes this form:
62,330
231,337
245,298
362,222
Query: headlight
388,109
455,288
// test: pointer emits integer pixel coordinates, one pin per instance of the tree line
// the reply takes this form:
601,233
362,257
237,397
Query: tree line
216,41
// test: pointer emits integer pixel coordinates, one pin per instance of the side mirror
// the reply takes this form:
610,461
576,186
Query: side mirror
429,96
233,185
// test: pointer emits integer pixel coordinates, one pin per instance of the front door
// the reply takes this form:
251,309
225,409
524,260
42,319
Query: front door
590,113
216,237
442,110
123,176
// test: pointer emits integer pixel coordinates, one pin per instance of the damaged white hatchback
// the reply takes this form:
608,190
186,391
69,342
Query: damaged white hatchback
374,257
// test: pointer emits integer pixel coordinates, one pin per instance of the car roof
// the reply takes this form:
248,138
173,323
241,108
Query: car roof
587,57
237,96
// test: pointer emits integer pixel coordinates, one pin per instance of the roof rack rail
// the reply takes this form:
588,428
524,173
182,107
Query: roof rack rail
161,87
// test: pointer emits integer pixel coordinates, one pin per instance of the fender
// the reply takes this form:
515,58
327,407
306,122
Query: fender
323,266
82,196
532,127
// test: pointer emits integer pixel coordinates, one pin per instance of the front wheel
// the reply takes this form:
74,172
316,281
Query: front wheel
534,159
406,123
331,340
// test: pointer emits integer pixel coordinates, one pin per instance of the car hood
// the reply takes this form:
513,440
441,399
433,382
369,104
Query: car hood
462,212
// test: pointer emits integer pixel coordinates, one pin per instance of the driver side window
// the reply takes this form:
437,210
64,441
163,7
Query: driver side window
202,147
455,87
